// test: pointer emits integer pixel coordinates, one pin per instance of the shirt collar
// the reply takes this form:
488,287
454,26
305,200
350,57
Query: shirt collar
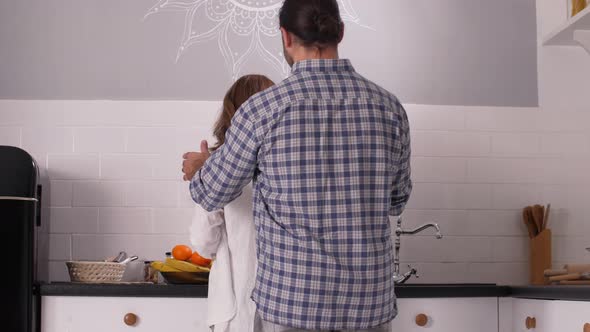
323,65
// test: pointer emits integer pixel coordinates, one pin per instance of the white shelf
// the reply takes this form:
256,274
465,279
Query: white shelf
574,32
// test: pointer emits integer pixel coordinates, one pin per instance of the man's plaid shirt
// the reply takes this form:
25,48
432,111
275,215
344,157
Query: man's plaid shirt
329,155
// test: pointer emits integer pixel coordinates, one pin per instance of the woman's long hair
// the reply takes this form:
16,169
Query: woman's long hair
244,88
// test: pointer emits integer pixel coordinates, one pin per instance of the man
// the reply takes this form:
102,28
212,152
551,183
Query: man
328,153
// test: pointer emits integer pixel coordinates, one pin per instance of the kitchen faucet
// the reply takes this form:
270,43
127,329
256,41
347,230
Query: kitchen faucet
402,278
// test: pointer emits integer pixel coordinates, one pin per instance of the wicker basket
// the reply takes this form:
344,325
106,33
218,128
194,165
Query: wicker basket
95,272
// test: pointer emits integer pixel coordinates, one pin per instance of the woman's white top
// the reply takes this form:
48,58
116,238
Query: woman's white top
228,236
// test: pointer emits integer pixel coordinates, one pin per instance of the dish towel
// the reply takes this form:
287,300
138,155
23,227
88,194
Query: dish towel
209,239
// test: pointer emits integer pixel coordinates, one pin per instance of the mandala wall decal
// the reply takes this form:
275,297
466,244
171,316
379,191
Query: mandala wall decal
241,28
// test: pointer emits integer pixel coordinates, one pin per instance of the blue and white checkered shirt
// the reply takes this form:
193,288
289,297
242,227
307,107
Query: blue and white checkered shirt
329,155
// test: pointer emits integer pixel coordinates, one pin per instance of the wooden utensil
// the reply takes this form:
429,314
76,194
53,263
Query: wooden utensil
542,208
528,223
577,268
537,211
573,276
533,222
554,273
546,219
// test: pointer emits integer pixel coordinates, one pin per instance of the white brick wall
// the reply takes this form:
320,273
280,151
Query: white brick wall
98,194
69,220
100,140
73,167
114,171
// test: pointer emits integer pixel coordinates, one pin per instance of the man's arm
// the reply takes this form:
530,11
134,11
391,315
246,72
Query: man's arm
230,168
402,183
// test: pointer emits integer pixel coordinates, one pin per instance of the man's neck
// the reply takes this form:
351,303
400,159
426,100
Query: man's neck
330,53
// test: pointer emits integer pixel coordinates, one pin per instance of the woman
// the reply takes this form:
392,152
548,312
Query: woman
232,244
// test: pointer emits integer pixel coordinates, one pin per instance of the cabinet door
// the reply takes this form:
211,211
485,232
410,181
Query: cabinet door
569,316
505,314
102,314
538,310
447,315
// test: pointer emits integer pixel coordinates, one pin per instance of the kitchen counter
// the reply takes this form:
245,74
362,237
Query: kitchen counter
198,291
565,293
450,290
123,290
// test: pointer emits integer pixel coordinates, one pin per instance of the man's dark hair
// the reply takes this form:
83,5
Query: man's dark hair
316,23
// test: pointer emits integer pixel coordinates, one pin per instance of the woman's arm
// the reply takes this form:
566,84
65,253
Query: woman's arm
205,231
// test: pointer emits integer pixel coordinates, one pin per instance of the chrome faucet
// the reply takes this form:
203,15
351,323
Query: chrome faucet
402,278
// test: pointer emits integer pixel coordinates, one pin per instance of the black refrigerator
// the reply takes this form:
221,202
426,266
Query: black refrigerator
20,219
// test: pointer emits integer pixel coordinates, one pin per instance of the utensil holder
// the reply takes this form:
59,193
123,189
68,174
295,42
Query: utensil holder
540,257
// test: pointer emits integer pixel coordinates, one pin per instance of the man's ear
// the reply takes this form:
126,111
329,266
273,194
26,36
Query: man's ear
287,38
341,33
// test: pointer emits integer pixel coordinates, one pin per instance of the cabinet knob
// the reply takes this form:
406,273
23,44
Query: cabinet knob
586,327
531,323
130,319
421,320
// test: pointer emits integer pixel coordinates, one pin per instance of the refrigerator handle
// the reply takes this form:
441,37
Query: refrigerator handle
39,202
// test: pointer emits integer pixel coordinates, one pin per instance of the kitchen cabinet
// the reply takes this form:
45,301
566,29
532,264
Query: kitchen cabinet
447,315
99,314
112,314
505,314
157,314
569,316
531,315
551,316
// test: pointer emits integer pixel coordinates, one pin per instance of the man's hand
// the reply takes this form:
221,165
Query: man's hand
193,161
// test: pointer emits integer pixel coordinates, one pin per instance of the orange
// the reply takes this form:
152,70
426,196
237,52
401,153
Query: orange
200,260
182,252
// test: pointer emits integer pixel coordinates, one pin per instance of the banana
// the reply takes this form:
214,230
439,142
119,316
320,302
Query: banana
185,266
162,267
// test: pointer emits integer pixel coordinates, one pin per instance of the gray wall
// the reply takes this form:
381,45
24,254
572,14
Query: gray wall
459,52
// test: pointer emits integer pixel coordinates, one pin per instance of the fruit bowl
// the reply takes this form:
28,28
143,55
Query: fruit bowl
183,278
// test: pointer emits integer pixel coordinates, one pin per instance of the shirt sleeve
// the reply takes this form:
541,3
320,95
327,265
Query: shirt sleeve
230,168
402,183
205,231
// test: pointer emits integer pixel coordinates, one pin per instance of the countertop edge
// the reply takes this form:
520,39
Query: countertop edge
200,291
124,290
560,293
565,293
450,291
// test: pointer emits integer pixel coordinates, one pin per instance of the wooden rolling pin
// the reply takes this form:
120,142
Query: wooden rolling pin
572,276
577,268
553,273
